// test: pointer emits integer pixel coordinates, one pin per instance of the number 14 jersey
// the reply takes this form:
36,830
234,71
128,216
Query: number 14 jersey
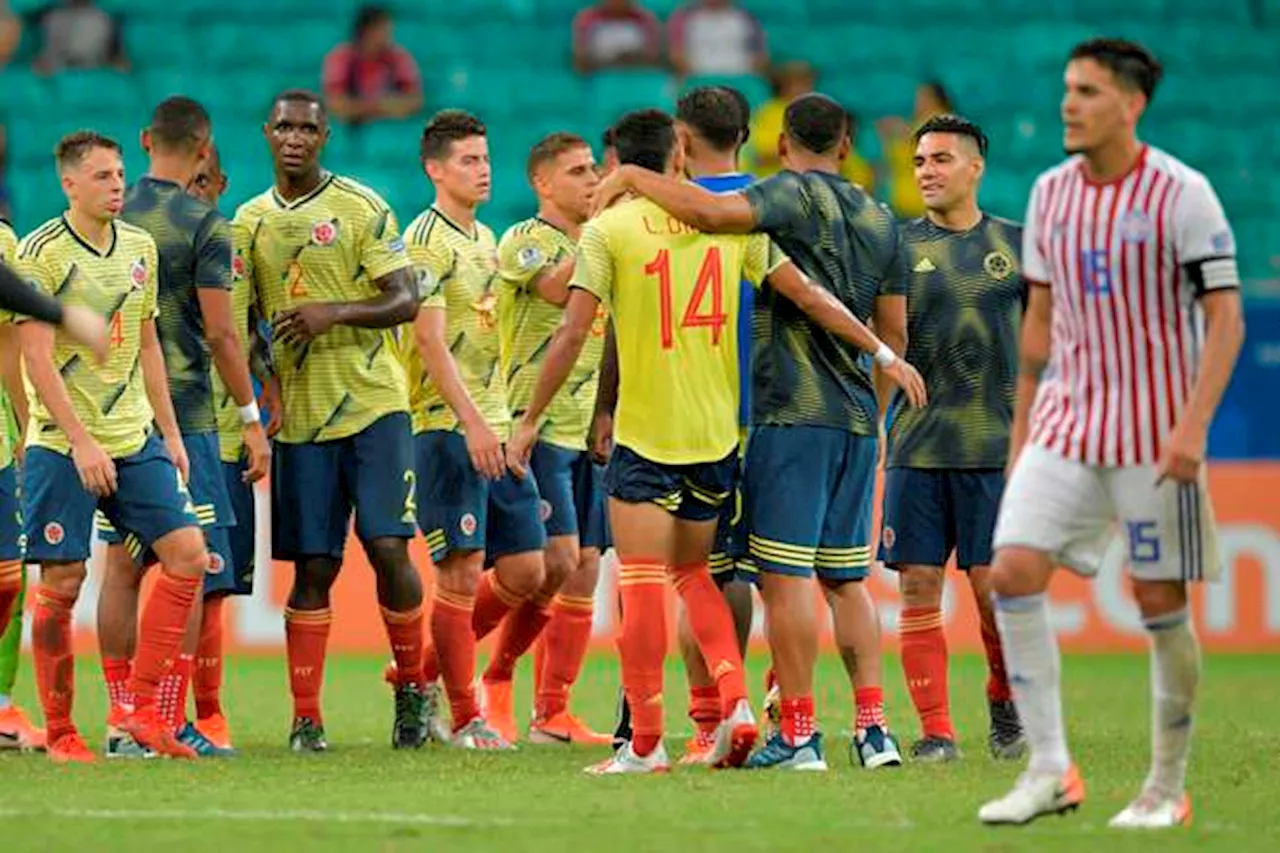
673,293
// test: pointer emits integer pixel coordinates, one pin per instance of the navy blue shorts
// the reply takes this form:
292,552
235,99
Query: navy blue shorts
10,515
150,502
233,548
460,510
572,490
315,487
928,513
696,491
729,559
208,495
808,495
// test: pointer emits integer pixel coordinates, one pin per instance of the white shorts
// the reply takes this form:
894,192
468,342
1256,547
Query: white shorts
1071,511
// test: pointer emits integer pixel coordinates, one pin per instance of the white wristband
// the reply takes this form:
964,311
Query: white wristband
885,356
249,414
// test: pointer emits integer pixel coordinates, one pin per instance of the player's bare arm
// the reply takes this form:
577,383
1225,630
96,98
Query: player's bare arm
1033,360
823,308
228,357
11,375
156,380
1224,334
889,315
708,212
483,445
562,354
97,471
600,438
396,304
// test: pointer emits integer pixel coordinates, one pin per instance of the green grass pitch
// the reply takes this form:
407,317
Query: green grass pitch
362,796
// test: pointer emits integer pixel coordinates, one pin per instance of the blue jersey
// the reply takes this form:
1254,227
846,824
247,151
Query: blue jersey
730,183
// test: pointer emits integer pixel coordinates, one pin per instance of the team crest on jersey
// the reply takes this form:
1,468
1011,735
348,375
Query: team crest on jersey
998,265
529,258
54,533
1135,227
487,309
467,524
215,563
138,273
888,537
325,232
238,267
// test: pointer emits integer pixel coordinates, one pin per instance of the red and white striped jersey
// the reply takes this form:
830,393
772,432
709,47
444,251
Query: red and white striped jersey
1126,320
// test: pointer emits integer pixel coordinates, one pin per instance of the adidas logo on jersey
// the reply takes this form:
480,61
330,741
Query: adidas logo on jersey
925,265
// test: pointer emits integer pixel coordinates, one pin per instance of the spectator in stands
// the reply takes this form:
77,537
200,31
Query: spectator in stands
10,33
371,77
900,150
791,80
79,34
616,34
716,37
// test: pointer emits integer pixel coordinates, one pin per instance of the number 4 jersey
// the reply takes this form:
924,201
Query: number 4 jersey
674,296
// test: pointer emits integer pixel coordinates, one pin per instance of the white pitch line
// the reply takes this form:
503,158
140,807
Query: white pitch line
282,816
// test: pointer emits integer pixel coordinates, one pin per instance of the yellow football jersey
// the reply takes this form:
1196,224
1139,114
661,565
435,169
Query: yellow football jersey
8,248
330,245
526,323
460,269
674,296
243,297
109,399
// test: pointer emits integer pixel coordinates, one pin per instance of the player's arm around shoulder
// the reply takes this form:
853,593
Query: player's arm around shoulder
711,213
528,263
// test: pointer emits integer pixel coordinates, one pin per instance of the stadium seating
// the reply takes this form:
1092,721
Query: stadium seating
509,61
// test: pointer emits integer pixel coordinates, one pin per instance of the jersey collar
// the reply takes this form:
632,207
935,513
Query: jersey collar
473,235
301,200
75,235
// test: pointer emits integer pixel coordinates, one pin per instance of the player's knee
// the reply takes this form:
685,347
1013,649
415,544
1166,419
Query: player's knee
460,572
1158,598
522,574
183,552
921,586
561,561
64,579
389,555
1020,571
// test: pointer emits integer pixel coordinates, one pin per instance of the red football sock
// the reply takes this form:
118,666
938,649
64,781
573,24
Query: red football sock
10,586
455,643
924,663
870,702
517,634
171,697
797,720
160,633
404,630
643,648
206,681
565,645
116,672
712,625
493,602
540,657
430,660
997,677
55,664
306,634
704,708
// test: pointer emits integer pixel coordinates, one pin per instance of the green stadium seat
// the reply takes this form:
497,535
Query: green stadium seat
617,92
1215,12
153,43
22,92
98,92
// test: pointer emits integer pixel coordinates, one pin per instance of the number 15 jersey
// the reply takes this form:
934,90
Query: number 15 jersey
674,296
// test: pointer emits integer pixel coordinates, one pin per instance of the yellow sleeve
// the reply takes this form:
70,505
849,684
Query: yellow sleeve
380,246
593,271
761,258
150,302
521,256
434,263
36,272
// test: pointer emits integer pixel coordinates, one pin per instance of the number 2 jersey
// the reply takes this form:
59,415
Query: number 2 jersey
329,245
673,293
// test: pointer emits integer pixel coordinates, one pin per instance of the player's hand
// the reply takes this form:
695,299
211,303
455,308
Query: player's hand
909,380
485,450
610,190
520,447
303,323
270,402
178,453
96,469
600,438
1182,455
259,450
87,327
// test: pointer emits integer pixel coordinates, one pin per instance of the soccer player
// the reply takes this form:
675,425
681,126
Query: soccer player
236,576
196,326
812,454
470,509
91,443
944,465
676,457
535,262
1131,333
331,274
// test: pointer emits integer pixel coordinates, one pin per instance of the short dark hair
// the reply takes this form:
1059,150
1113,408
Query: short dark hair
445,128
716,113
959,125
645,138
300,96
550,147
74,147
817,122
607,139
368,17
1132,64
179,123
